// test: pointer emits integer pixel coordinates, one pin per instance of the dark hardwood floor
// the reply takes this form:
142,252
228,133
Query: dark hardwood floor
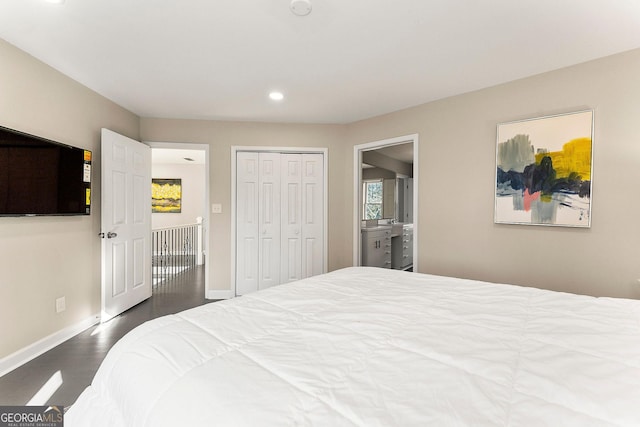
78,359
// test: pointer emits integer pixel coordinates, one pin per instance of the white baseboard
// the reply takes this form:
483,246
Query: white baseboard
220,294
30,352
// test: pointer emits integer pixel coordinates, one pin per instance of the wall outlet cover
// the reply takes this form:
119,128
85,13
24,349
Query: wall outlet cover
61,305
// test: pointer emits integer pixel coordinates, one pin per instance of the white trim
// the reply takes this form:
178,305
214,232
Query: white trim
234,156
220,294
30,352
293,150
206,223
357,190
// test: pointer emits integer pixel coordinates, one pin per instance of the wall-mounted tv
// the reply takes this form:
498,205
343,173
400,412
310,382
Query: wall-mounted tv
42,177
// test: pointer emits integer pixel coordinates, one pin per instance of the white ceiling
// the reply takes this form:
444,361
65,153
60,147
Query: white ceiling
177,156
402,152
348,60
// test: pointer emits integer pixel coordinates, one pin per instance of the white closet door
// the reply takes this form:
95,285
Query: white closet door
279,218
247,185
269,220
312,214
291,211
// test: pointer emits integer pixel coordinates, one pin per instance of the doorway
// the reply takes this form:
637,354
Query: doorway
180,230
403,207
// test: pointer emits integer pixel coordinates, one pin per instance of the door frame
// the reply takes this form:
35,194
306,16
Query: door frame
357,191
207,210
287,150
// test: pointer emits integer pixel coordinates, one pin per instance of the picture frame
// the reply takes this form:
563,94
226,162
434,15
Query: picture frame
544,170
166,195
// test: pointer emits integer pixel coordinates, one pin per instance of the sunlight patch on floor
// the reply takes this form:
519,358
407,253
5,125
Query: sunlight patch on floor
47,390
104,326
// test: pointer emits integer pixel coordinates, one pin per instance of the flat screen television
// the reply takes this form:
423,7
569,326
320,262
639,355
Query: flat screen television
42,177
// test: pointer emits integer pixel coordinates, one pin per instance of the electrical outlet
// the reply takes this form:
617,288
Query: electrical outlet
61,305
216,208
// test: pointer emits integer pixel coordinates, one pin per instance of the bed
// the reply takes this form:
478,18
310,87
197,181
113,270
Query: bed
376,347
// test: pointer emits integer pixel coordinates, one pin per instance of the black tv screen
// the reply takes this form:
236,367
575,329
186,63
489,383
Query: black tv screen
42,177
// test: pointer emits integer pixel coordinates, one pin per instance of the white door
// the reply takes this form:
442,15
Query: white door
247,222
269,220
313,214
279,218
125,223
291,212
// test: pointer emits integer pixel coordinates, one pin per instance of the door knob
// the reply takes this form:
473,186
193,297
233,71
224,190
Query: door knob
111,235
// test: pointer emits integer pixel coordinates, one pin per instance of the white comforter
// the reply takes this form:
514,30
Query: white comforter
373,347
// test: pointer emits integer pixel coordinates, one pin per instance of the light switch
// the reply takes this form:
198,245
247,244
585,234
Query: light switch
216,208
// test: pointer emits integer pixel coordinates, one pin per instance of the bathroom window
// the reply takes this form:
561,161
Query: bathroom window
372,191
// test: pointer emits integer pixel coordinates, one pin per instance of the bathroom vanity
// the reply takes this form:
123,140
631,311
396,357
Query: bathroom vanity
388,246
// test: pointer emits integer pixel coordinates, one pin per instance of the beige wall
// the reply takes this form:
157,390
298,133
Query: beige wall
457,235
221,136
44,258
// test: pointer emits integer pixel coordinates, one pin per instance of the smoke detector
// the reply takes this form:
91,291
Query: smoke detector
300,7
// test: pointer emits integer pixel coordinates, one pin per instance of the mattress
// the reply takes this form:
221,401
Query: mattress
376,347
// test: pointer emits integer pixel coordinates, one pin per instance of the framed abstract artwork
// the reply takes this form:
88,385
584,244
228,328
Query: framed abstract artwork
166,195
544,171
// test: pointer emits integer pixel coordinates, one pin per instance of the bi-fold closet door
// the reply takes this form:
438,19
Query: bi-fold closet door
279,218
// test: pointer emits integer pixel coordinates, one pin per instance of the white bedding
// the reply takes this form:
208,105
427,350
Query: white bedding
376,347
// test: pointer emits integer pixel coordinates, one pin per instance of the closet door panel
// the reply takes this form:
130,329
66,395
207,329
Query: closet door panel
312,214
291,211
269,220
247,186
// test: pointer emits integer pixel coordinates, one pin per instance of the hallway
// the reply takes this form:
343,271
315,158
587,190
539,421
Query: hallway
76,361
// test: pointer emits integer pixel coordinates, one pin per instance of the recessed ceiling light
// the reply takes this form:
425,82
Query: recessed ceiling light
55,1
276,96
